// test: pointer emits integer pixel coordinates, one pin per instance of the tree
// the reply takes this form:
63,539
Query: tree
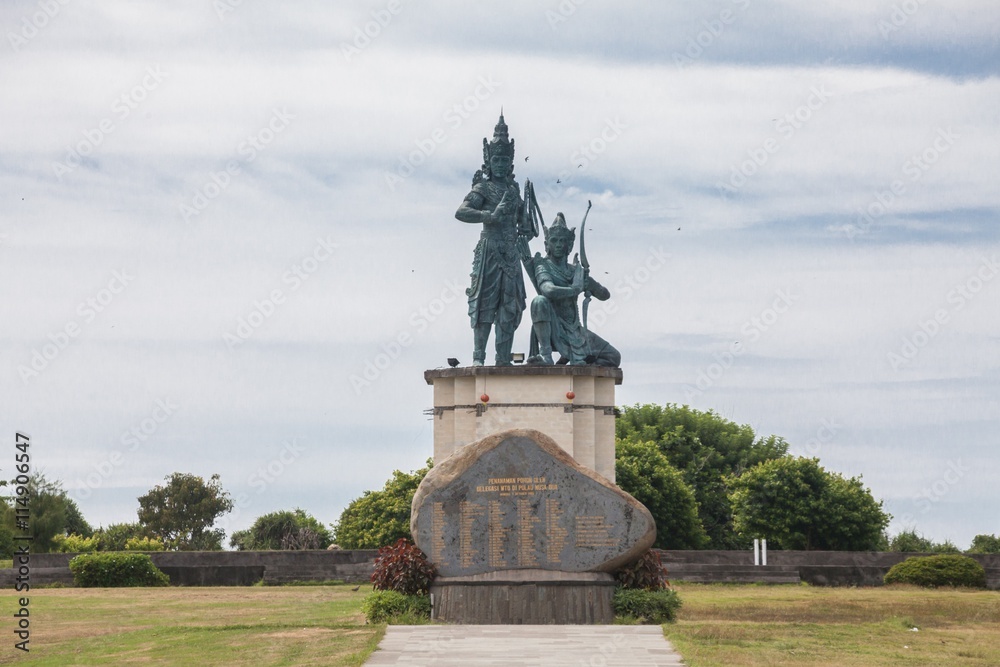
52,513
282,530
795,504
117,535
707,450
644,472
182,512
910,541
985,544
380,518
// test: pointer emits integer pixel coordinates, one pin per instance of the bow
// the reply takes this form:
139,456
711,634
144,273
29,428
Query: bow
586,265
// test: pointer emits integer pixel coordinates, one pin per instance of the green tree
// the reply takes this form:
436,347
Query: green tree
795,504
116,535
379,518
182,512
910,541
707,450
985,544
643,471
52,513
75,523
282,530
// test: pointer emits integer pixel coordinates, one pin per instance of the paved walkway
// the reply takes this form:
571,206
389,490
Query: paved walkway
528,645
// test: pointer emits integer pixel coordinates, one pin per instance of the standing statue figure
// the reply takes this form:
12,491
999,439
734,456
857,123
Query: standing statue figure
496,297
556,323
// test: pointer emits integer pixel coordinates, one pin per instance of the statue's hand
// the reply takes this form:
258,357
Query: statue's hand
578,274
501,209
523,250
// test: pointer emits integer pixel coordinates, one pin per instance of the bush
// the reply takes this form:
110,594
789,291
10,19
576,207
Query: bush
652,607
932,571
282,530
386,606
985,544
76,544
911,541
117,535
402,568
646,574
112,570
144,544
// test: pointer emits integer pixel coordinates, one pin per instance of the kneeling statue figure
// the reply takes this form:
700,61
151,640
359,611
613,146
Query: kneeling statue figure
555,320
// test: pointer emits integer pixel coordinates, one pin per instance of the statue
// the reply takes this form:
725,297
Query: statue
496,297
556,323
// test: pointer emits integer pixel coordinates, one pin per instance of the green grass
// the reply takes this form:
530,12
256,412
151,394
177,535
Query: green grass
195,626
737,626
730,625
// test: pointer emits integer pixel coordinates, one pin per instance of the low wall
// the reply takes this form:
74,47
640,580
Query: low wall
819,568
228,568
242,568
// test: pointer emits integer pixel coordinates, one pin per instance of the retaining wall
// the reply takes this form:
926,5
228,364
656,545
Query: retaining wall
241,568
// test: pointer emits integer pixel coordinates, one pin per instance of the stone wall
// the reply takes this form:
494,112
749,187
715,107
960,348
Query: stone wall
227,568
235,568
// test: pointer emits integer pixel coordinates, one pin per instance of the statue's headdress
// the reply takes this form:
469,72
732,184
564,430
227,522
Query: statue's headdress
558,226
501,144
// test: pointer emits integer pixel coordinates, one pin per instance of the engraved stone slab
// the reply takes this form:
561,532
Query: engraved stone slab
516,500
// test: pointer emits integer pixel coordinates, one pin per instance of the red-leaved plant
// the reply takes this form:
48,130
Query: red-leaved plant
647,573
403,568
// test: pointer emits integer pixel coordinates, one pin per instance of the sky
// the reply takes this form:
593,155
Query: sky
228,244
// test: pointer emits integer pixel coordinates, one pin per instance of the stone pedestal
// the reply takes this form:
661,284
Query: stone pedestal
532,397
525,597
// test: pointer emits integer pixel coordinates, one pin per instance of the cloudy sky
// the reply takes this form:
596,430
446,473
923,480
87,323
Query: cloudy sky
228,241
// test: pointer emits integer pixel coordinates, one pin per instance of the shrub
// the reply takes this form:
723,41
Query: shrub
282,530
386,606
144,544
76,544
402,568
985,544
932,571
647,573
910,541
652,607
117,535
111,570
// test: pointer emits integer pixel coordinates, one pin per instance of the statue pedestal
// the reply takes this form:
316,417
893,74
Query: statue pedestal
574,405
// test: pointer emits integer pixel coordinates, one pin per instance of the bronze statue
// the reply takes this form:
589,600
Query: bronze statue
496,297
556,324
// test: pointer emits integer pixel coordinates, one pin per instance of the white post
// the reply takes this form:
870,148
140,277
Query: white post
763,551
756,553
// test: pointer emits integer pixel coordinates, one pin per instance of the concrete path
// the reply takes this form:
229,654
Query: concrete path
534,645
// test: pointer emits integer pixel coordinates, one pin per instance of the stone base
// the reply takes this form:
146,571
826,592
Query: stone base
525,597
535,397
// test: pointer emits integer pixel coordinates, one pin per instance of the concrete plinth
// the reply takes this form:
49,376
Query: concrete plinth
525,597
532,397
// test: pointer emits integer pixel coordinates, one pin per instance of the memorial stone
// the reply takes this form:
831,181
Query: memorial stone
516,500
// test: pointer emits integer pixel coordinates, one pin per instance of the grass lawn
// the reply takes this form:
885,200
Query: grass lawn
287,625
323,625
732,626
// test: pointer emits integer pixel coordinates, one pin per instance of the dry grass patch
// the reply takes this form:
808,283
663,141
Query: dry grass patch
200,626
735,626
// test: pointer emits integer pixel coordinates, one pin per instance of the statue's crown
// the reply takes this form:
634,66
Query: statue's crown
502,144
558,226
